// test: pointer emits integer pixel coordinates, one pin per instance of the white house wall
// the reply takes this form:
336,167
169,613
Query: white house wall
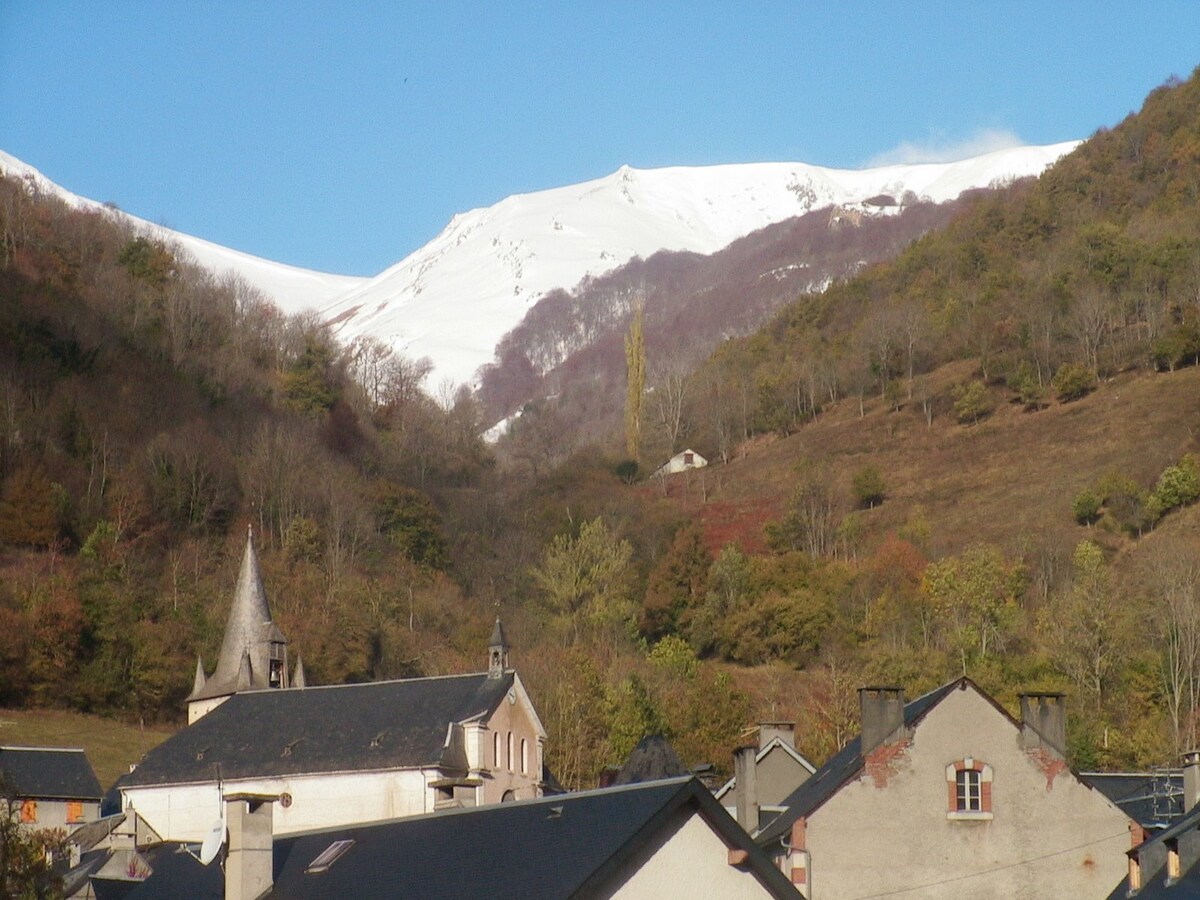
691,862
186,812
888,831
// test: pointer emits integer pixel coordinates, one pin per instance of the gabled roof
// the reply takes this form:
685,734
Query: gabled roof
768,748
843,766
554,847
565,846
52,773
272,732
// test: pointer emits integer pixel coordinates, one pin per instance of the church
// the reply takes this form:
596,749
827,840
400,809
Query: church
340,754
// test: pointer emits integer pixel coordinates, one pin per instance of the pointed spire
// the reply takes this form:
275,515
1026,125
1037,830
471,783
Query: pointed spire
298,676
198,683
253,650
249,624
498,648
498,638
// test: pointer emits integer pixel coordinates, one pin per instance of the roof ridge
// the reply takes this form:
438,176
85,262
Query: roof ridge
356,684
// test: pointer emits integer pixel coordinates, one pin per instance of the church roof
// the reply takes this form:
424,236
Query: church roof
248,628
292,731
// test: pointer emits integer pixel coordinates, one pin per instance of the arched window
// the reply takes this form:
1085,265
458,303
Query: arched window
510,752
495,749
524,757
969,789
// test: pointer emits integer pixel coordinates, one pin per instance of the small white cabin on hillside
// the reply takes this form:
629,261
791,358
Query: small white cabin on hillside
681,462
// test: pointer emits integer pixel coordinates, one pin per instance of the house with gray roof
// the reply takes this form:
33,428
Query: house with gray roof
659,839
49,787
949,796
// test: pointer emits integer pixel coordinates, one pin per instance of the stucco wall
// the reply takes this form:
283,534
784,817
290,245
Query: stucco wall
185,813
512,717
688,860
1050,836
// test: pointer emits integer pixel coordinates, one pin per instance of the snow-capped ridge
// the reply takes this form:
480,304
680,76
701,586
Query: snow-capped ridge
453,299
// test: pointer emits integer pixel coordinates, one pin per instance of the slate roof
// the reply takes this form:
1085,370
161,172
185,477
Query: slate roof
553,847
277,732
653,759
52,773
1152,799
556,847
841,768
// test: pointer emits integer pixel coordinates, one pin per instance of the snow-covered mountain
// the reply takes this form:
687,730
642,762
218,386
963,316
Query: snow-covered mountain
453,299
291,288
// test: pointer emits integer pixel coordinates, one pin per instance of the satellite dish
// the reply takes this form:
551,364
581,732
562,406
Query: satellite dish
212,842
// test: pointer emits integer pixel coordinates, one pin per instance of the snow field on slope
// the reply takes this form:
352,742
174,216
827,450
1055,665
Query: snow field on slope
453,299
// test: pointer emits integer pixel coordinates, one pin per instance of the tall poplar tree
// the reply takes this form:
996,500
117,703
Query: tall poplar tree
635,370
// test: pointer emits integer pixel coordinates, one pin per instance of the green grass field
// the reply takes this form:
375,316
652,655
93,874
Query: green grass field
111,746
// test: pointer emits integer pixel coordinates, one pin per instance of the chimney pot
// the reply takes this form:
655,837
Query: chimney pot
249,860
882,712
745,770
768,731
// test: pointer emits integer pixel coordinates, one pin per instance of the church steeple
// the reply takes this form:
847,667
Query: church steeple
498,648
253,651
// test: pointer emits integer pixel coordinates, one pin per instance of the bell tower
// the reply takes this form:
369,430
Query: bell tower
498,648
254,650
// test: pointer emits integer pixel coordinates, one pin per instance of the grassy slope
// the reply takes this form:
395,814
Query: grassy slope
1008,480
111,746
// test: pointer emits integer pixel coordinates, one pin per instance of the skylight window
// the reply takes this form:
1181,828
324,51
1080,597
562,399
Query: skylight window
328,857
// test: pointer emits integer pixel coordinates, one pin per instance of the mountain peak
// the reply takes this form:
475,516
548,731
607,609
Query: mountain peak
455,298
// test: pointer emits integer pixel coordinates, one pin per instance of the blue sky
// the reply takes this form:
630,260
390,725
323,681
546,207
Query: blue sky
342,136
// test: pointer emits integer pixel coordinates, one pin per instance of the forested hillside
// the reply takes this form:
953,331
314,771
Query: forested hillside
150,415
569,345
984,452
978,456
